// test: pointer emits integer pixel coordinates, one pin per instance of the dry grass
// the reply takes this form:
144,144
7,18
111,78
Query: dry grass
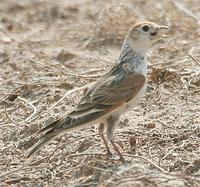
49,48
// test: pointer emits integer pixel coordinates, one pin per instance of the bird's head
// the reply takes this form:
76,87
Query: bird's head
143,35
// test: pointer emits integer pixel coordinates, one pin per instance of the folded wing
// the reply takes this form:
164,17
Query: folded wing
106,96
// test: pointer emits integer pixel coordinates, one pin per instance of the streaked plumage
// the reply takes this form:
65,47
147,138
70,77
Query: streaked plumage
117,91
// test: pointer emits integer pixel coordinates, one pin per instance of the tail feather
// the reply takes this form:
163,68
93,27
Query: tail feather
61,125
51,126
51,131
39,144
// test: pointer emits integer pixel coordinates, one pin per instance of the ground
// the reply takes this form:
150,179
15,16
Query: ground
49,48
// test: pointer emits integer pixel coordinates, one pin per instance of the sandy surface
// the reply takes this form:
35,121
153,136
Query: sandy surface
48,48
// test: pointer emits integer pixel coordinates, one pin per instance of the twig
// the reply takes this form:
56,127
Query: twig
184,84
32,106
86,154
69,93
20,169
36,83
91,71
83,76
168,126
104,170
8,117
159,63
7,35
149,150
89,76
150,161
4,60
38,162
178,63
194,59
195,91
6,93
169,152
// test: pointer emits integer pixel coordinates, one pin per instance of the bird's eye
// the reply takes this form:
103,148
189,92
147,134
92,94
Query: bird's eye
145,28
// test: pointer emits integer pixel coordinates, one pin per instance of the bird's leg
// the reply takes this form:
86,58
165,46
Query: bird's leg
112,121
101,129
121,158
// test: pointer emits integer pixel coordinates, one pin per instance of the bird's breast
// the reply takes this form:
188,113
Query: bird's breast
141,67
135,100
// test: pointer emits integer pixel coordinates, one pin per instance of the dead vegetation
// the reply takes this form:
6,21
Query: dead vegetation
51,51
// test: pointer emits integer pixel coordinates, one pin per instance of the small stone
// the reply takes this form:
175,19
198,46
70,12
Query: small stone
150,125
64,56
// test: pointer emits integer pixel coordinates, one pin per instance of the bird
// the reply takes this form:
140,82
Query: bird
115,93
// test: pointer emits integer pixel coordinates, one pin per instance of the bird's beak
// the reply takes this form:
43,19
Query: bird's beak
163,27
158,28
160,34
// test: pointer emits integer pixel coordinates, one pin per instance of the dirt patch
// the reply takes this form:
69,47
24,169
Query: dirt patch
49,48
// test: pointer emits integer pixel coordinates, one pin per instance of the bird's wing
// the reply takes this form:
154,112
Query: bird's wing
108,94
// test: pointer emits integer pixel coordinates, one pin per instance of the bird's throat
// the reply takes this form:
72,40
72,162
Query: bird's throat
132,61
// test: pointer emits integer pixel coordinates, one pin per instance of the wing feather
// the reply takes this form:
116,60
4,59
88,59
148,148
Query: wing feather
106,95
110,94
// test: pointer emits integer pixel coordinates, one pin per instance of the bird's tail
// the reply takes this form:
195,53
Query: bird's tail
51,131
64,124
39,144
